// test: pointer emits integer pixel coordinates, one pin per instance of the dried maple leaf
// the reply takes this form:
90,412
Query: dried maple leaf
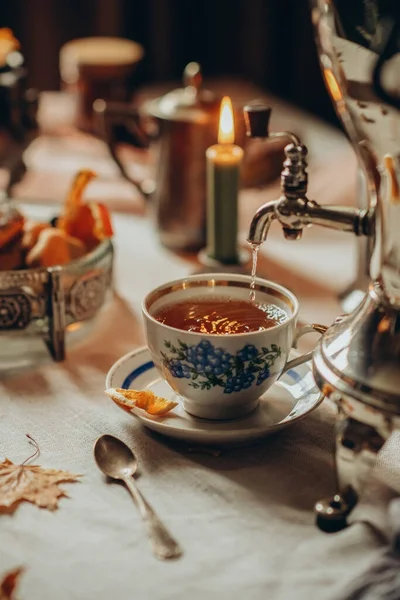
24,483
8,584
145,399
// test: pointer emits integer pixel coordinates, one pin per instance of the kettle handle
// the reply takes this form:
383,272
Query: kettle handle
108,117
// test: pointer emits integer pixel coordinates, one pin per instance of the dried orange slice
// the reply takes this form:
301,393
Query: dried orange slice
54,247
81,181
74,197
145,399
31,232
102,221
10,231
90,222
160,406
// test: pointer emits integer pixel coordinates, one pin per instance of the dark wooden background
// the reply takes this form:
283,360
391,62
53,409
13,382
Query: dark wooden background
269,42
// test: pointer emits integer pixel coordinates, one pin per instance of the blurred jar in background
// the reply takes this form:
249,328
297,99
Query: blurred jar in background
98,67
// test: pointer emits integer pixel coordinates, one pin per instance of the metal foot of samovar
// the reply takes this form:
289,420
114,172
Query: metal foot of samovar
357,361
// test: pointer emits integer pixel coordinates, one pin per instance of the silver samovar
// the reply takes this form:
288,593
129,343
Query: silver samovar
357,361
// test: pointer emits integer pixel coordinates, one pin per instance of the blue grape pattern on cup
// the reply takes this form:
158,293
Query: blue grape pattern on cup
207,366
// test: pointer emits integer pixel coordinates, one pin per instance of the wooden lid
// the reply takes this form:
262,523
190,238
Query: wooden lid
97,52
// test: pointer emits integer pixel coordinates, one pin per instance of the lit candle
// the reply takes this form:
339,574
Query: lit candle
223,165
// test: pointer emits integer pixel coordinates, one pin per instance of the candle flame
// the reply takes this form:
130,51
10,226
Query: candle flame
226,132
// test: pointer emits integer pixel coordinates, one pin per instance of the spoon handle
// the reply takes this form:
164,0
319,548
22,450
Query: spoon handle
163,544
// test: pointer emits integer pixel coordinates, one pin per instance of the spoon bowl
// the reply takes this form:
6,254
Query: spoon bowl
114,458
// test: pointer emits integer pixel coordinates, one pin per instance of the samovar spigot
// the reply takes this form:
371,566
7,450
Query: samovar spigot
293,209
293,178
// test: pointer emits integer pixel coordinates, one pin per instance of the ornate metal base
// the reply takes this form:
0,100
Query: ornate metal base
361,431
332,513
43,302
357,447
356,365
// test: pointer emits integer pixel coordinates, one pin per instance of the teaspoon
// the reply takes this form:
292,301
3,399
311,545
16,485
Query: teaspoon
116,460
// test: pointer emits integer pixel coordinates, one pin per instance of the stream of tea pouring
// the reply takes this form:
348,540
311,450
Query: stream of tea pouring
254,250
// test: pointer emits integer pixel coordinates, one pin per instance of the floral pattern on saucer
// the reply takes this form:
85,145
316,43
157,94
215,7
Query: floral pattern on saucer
207,366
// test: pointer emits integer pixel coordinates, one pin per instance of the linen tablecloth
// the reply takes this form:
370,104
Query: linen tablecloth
244,517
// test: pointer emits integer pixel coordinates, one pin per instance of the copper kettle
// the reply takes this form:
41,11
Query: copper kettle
179,127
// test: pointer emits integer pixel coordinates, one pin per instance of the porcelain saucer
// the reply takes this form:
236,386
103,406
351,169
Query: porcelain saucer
291,398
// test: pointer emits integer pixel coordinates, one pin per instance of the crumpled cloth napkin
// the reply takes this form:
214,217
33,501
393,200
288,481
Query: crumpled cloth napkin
382,580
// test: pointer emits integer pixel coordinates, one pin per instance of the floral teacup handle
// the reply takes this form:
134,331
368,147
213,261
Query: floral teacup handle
299,360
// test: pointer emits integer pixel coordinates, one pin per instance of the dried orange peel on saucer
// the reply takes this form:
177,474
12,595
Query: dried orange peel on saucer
146,400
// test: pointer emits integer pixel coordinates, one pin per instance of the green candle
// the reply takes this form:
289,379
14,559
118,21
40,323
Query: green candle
223,166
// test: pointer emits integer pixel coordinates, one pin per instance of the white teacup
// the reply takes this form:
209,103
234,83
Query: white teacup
222,376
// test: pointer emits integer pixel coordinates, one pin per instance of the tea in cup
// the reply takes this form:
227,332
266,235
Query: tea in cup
215,347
